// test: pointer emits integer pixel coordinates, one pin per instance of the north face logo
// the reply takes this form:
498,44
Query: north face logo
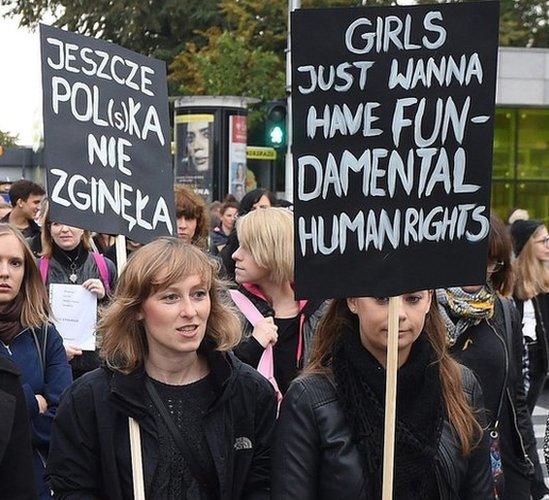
242,443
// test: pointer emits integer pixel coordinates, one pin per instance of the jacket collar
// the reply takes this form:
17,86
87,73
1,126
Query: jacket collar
129,394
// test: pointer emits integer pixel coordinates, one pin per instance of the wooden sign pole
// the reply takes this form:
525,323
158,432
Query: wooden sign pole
121,256
390,400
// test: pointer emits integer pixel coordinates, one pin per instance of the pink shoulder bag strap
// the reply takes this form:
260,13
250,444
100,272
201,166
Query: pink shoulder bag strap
252,314
44,267
101,264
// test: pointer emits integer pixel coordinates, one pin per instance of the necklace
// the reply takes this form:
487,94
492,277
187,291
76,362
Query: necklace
73,278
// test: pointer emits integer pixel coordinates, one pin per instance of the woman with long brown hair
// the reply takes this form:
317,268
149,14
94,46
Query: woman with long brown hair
28,338
329,439
205,419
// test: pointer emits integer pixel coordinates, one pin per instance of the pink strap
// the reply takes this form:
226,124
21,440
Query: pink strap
266,368
252,314
101,264
246,307
44,266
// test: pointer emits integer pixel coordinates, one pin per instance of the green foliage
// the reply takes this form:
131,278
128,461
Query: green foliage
160,28
8,140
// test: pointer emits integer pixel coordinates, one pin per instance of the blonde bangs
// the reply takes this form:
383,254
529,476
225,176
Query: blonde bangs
268,234
152,268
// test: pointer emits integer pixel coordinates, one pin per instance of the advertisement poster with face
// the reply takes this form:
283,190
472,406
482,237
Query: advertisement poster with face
194,152
237,156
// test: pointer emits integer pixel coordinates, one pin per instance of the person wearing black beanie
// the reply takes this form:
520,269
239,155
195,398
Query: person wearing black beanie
521,231
531,244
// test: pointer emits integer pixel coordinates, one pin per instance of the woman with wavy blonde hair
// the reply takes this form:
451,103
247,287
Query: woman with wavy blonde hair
329,437
205,418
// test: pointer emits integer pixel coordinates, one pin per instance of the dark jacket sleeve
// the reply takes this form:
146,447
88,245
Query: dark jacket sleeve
249,351
58,377
524,420
296,449
73,470
478,482
16,462
258,481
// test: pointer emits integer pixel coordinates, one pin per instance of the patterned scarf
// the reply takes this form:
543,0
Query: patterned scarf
461,309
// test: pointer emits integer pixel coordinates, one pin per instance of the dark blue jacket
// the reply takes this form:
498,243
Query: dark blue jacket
49,381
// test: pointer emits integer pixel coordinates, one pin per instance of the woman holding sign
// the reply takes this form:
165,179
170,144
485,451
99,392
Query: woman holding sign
31,342
202,418
329,439
67,259
264,268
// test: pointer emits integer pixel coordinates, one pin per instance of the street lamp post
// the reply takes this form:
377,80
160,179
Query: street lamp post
289,171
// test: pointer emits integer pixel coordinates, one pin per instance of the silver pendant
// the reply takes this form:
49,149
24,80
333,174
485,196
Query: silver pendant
73,277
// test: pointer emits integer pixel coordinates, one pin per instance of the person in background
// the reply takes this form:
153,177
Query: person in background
67,259
131,246
329,437
220,234
484,334
15,442
32,343
265,272
258,198
192,217
215,207
205,419
517,214
103,242
5,208
26,197
531,244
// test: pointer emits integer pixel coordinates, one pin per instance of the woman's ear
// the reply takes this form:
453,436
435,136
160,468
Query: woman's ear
351,304
140,315
429,300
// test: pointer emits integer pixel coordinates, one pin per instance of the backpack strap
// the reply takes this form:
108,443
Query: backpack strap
41,342
246,307
508,330
44,267
101,264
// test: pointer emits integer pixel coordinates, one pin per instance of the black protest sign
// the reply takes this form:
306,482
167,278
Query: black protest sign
106,137
393,127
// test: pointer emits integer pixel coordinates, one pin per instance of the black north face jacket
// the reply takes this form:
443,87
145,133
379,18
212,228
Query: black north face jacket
90,449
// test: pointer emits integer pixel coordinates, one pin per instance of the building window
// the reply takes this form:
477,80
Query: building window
521,162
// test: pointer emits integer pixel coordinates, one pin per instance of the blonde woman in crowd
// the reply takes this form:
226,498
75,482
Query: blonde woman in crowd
531,245
264,271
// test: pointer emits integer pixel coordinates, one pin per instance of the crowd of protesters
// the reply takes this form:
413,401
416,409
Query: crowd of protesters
209,380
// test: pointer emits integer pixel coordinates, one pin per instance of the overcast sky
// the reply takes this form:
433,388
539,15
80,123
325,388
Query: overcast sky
20,88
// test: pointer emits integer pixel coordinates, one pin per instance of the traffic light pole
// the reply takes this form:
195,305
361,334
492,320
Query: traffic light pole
289,171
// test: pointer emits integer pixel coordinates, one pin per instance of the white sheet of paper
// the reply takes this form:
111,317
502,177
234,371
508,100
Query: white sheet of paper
75,314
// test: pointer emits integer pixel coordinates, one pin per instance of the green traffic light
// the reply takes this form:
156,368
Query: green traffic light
276,135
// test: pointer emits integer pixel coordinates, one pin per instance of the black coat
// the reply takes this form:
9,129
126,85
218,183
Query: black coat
516,421
541,308
90,450
315,457
16,462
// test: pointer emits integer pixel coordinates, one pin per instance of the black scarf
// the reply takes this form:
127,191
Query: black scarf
67,258
10,324
420,411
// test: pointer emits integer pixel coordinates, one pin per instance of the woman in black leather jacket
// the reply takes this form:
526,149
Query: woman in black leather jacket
330,432
484,334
